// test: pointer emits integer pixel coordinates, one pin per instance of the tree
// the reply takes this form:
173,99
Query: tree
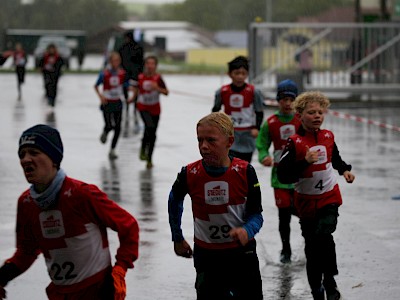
88,15
237,14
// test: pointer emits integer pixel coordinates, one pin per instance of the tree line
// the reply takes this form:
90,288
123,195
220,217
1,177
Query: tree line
95,15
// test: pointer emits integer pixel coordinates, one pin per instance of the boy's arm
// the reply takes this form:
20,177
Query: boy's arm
337,162
254,218
175,205
217,101
263,142
289,169
258,107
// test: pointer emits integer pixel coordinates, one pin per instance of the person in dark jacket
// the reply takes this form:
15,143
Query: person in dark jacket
132,56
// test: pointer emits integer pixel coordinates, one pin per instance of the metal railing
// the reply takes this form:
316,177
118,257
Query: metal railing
356,58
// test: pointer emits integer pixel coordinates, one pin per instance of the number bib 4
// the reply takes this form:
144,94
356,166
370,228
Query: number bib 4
321,182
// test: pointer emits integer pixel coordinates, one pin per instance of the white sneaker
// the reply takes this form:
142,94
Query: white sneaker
112,154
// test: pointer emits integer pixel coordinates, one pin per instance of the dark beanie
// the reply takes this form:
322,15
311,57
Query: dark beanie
46,139
287,88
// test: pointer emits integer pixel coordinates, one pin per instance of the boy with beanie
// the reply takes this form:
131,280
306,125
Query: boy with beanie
275,130
67,220
243,103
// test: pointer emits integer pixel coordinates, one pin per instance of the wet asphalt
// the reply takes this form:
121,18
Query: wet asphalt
367,238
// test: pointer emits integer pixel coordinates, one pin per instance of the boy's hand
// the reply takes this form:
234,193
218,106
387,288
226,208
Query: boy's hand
311,156
118,273
348,176
254,132
239,234
267,161
183,249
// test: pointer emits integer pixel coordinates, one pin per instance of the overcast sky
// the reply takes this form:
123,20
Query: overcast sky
151,1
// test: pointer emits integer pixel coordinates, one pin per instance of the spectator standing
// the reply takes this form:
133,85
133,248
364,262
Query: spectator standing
132,56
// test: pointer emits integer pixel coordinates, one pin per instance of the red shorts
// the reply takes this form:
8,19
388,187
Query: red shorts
284,197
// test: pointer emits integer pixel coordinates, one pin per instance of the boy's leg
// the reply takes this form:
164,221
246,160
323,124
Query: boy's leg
283,200
313,255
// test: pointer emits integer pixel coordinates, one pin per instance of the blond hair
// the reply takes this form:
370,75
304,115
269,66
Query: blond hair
310,97
114,54
220,120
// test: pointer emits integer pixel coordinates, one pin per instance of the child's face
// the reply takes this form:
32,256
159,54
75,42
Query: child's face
239,76
286,105
38,168
213,145
115,61
312,116
150,66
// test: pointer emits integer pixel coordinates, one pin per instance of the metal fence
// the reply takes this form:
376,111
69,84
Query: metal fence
354,58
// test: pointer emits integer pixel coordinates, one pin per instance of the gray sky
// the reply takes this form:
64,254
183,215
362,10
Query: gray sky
151,1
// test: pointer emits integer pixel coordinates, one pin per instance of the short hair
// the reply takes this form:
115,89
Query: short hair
151,57
237,63
309,97
114,54
220,120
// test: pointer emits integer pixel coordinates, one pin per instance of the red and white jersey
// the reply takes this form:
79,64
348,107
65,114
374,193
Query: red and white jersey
113,84
319,177
280,131
72,235
148,98
218,203
49,62
239,105
19,58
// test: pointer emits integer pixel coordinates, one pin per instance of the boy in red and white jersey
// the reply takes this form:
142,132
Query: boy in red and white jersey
226,207
66,220
309,160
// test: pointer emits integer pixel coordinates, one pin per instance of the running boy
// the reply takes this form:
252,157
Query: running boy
66,220
20,60
226,206
308,160
150,85
51,64
112,78
243,103
276,129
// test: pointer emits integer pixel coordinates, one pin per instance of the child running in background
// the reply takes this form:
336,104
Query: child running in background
20,60
226,206
276,130
244,104
112,78
150,86
308,160
51,64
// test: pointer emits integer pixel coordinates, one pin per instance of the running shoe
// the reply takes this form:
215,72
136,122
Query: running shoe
103,137
112,154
